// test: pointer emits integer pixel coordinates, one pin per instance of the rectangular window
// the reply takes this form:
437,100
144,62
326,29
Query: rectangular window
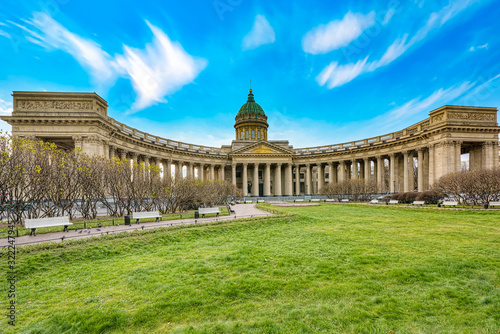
258,134
253,134
238,175
246,134
301,175
241,135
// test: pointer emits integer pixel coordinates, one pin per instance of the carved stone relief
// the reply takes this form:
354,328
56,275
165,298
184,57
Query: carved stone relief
41,105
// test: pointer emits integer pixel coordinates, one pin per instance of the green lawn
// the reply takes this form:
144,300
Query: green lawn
329,269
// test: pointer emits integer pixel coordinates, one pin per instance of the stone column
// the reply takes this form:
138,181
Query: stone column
392,172
368,169
354,169
178,169
233,174
123,155
288,180
420,170
112,151
190,171
133,159
432,169
167,168
380,174
267,180
308,179
411,171
458,156
223,172
255,182
277,180
341,173
321,177
297,180
211,177
406,179
78,140
244,177
201,172
106,147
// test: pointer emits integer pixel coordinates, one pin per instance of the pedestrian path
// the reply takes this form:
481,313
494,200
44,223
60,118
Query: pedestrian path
241,211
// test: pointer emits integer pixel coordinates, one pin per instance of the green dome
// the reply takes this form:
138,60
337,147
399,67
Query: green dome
251,106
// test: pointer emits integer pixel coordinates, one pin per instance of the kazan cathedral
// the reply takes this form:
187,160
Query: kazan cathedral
262,167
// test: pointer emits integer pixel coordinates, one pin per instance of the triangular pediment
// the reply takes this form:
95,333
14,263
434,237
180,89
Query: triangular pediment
262,148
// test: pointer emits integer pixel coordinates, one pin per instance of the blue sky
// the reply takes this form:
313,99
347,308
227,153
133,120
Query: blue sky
325,72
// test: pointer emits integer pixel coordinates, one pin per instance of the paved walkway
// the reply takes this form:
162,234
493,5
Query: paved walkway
241,211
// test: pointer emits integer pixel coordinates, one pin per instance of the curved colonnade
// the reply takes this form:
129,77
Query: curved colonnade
270,168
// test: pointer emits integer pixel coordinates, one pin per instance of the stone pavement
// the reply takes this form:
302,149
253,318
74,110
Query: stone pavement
241,211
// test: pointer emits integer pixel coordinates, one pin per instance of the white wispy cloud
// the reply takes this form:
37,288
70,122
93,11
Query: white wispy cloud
419,107
335,75
160,69
4,33
89,54
261,33
395,50
388,16
336,34
474,48
394,119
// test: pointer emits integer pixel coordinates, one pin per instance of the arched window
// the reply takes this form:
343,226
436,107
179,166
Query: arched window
241,135
258,134
246,134
253,134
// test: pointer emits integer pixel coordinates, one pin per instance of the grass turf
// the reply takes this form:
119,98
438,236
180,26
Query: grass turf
333,268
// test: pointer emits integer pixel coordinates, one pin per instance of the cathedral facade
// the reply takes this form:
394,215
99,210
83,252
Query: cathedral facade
262,167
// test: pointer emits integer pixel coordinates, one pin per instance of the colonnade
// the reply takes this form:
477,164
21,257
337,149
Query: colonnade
399,171
174,167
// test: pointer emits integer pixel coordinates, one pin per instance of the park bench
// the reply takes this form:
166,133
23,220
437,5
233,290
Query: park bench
146,214
393,201
345,200
418,203
299,200
261,201
315,200
374,201
230,209
494,203
33,224
204,211
330,200
248,202
449,203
